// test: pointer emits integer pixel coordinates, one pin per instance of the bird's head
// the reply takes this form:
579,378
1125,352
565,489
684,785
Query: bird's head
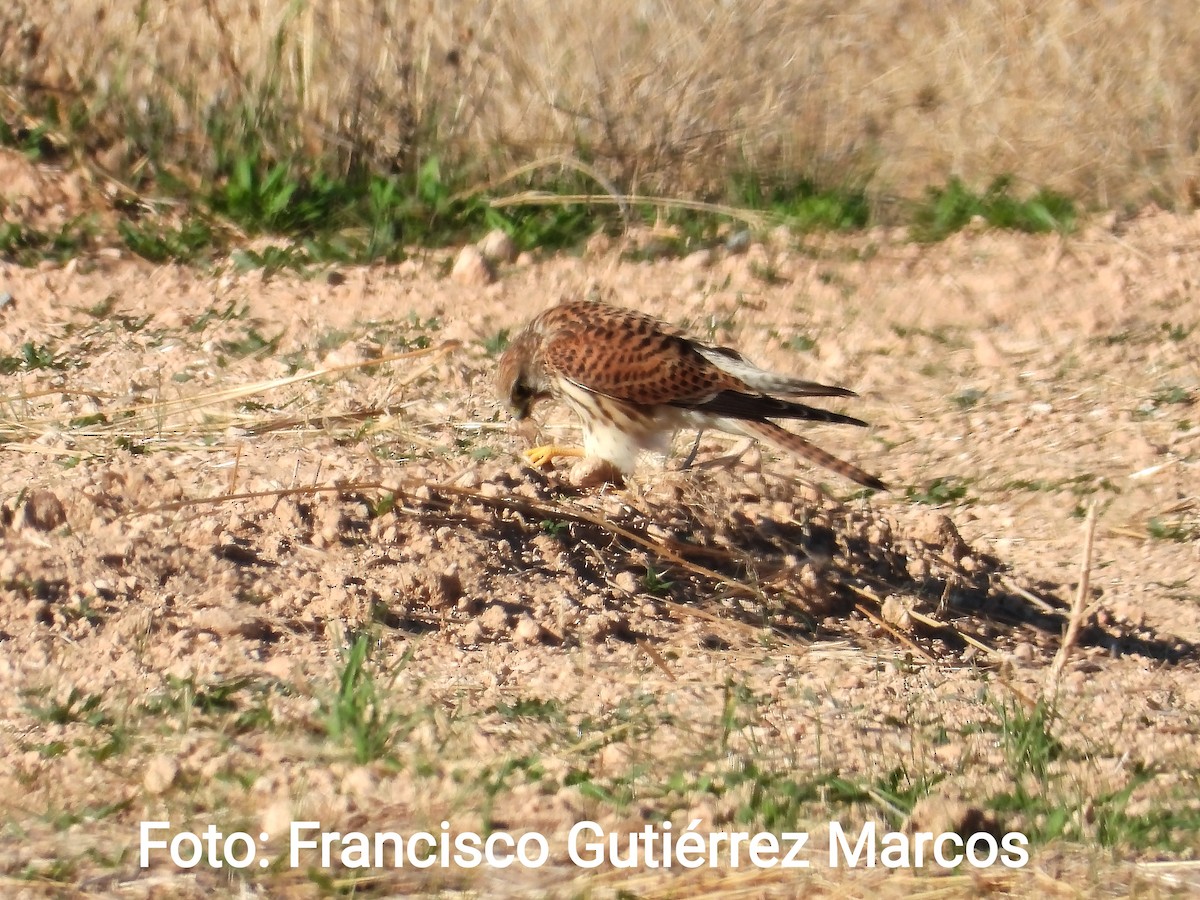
518,380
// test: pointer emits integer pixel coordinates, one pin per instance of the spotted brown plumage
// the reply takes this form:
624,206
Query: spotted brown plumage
634,381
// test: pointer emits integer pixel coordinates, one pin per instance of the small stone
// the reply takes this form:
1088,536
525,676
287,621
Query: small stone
894,612
917,568
161,773
472,268
471,635
497,247
331,527
215,619
936,530
1023,652
606,624
627,582
352,353
614,759
469,479
593,473
494,619
277,818
527,631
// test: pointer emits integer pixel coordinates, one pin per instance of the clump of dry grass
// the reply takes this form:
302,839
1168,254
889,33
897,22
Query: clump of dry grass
1101,101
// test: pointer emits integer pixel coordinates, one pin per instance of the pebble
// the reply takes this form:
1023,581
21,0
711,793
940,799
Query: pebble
472,268
161,772
497,247
494,619
527,631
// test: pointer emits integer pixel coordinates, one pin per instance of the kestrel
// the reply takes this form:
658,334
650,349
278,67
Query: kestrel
635,380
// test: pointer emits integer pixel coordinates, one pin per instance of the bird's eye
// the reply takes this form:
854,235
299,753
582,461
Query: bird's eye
521,392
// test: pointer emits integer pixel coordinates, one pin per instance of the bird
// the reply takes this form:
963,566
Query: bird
635,380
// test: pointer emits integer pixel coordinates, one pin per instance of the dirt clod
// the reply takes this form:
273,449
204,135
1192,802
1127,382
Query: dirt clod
42,511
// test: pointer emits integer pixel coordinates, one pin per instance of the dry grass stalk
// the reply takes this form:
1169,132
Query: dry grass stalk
204,411
1079,607
624,201
896,633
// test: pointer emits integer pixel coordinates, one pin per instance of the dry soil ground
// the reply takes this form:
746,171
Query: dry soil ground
212,481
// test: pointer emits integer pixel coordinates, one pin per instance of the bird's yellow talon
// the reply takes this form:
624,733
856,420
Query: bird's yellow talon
539,456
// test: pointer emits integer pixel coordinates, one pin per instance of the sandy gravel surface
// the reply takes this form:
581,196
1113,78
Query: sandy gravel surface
212,481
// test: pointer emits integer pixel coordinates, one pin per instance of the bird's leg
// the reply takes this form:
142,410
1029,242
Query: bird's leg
539,456
691,457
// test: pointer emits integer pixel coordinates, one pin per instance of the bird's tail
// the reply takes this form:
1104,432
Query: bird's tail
786,441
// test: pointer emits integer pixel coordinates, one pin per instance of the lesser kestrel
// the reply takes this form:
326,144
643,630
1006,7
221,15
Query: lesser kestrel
635,380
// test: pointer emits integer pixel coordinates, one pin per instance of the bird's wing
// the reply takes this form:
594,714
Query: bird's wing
635,358
629,359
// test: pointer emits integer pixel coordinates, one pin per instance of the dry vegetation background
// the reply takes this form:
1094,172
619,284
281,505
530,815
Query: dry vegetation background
1099,99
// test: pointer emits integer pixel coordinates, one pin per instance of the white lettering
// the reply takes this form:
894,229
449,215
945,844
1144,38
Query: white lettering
939,853
543,850
894,852
296,843
470,850
197,849
328,839
382,839
596,848
423,860
227,850
495,860
982,837
147,845
840,847
695,848
356,851
798,839
738,837
764,843
1016,856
